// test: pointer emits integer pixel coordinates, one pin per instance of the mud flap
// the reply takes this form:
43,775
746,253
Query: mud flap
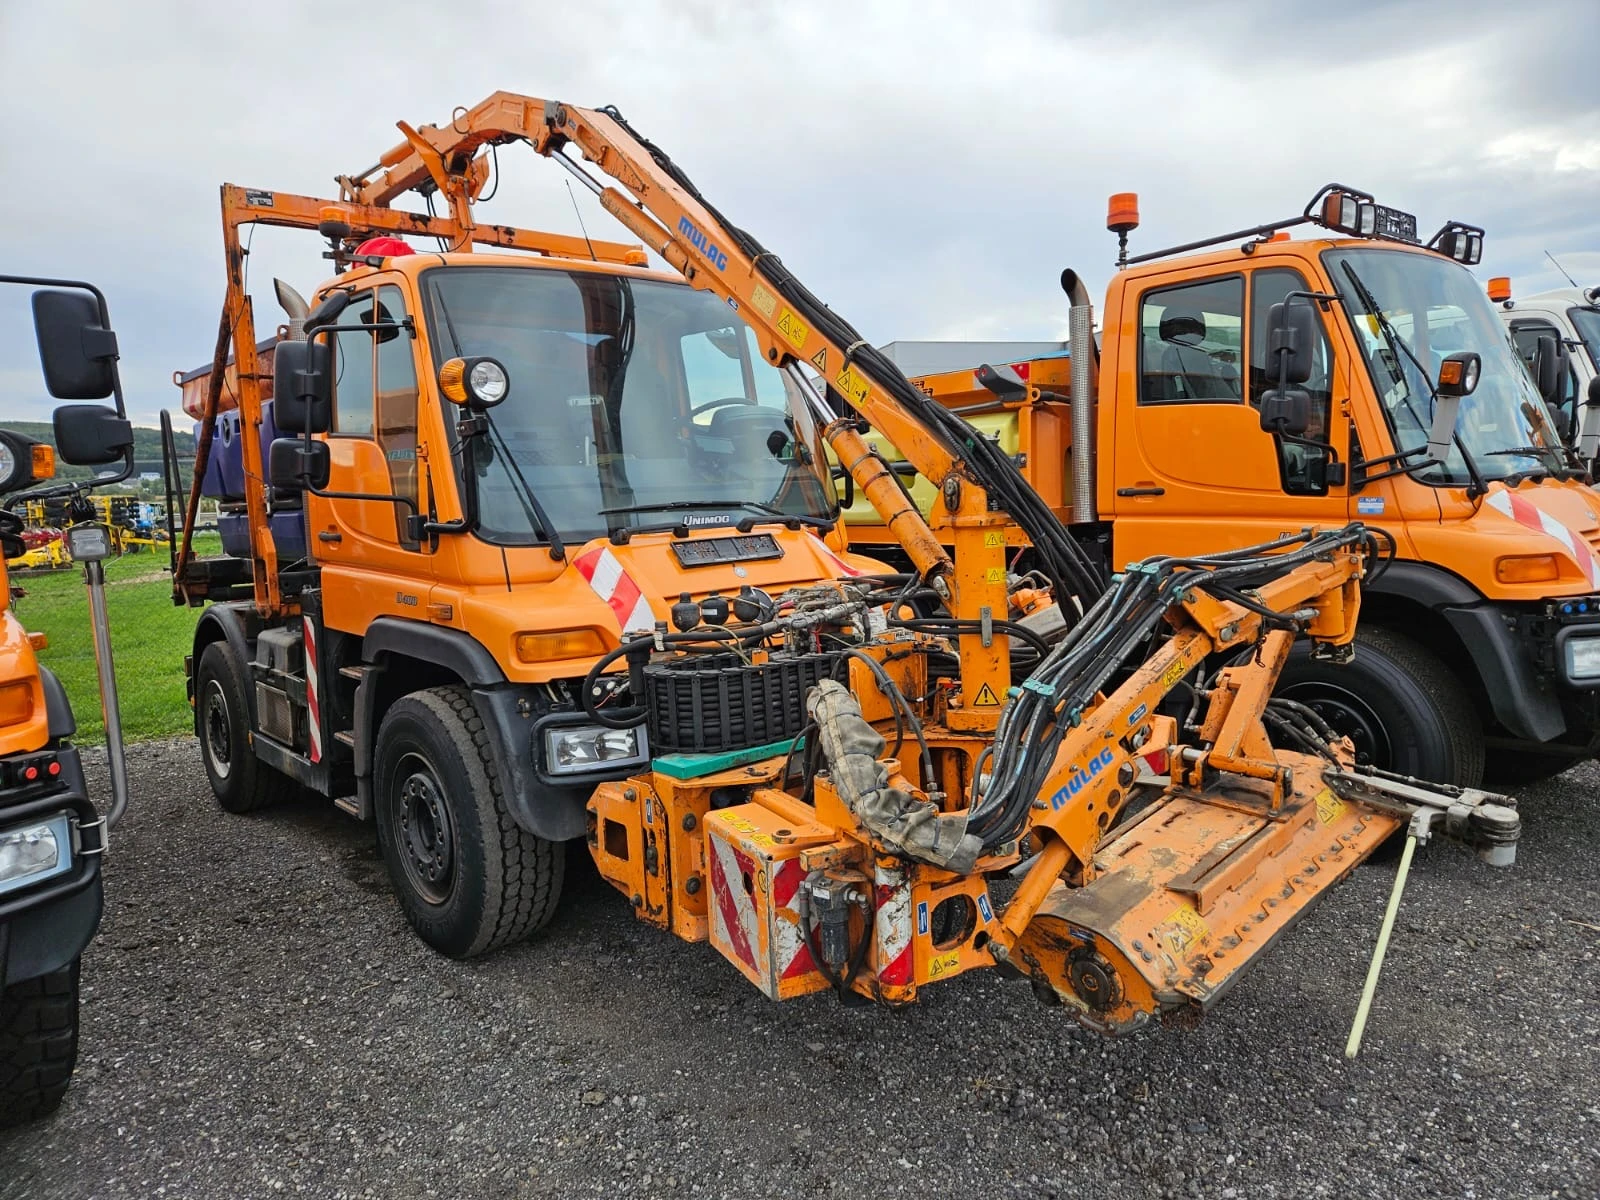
1184,899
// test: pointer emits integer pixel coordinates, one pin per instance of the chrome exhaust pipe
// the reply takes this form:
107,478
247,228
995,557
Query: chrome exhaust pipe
1085,357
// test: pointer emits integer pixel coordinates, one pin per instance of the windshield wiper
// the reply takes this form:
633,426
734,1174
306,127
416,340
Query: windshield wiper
744,524
1391,335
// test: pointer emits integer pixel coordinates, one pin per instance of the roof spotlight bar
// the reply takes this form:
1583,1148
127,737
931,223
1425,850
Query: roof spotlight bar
1339,208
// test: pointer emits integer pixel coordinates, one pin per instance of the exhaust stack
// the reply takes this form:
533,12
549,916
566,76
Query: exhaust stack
1085,357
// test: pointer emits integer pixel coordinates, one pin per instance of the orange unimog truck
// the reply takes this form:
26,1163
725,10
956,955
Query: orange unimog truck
1404,407
539,546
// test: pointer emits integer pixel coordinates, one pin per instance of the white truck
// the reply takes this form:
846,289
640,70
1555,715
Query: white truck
1570,318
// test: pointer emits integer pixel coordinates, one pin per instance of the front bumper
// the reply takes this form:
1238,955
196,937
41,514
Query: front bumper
44,927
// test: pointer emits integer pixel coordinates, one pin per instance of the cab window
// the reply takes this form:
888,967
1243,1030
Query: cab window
1525,336
1190,343
1302,467
353,370
375,390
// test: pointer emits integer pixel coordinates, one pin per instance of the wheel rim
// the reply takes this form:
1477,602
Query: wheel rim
218,730
425,833
1349,715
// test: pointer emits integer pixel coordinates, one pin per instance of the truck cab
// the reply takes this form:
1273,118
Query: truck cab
1570,317
517,464
1479,646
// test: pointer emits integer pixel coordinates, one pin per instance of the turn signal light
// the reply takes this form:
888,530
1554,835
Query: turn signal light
1500,288
1122,212
16,702
44,461
564,643
1527,568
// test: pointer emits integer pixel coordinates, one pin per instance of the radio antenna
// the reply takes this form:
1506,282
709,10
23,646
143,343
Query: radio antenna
571,196
1547,254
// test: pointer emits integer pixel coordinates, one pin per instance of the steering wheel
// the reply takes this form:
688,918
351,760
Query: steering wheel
710,404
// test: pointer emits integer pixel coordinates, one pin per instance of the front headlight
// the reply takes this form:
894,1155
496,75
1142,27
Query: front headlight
1583,658
32,853
569,749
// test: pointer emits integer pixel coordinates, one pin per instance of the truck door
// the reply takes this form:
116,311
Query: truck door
1195,472
373,450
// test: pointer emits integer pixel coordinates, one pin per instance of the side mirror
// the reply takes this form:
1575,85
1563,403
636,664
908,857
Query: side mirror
1459,372
1550,366
1291,333
77,351
91,435
293,464
24,461
328,309
302,386
1287,411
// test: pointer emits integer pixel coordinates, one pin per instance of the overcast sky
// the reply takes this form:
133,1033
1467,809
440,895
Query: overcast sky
927,168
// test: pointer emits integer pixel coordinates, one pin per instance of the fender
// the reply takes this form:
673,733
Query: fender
234,623
57,710
553,813
1525,702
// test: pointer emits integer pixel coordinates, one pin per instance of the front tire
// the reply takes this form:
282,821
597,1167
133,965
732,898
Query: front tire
469,879
241,781
38,1044
1401,706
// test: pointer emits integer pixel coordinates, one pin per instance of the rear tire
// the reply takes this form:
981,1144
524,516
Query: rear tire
468,877
1401,706
241,781
38,1044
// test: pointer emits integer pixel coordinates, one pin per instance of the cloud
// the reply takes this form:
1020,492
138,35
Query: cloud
927,168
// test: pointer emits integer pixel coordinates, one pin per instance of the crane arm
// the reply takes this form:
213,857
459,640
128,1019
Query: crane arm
661,206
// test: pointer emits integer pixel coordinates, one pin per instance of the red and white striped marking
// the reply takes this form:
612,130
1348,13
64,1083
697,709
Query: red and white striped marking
734,929
892,926
790,954
1524,512
828,555
617,588
313,701
772,948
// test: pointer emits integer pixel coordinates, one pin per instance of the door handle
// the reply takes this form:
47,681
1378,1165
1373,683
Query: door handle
1142,491
329,535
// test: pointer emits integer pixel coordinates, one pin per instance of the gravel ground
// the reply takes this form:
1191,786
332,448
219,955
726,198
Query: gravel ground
258,1019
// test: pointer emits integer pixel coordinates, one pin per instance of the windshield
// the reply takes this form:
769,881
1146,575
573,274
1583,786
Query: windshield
1429,307
625,394
1587,322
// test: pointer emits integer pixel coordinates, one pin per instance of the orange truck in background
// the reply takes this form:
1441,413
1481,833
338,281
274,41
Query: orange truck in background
1479,647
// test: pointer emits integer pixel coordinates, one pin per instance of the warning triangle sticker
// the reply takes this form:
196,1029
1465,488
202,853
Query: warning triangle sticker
820,360
986,698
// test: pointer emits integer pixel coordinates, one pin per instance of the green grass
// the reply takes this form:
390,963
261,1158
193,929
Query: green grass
149,638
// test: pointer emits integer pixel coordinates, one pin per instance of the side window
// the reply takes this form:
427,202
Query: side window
1190,343
1525,336
1303,468
395,423
354,370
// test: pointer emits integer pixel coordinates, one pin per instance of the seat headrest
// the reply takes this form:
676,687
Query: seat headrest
1186,323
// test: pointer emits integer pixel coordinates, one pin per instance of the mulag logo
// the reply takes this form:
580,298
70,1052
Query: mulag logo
1080,778
702,243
